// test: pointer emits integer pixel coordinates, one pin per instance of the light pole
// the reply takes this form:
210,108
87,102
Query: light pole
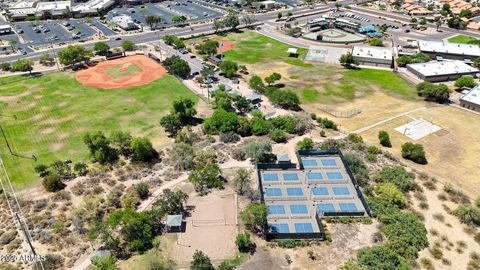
55,56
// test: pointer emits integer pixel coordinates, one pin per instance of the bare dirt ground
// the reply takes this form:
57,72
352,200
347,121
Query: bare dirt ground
98,76
347,239
212,227
452,153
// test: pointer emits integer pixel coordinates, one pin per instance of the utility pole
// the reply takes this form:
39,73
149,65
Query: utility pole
160,45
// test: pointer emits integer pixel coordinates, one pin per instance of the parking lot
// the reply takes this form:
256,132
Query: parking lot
46,32
167,10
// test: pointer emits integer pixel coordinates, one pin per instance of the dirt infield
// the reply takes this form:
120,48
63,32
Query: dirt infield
225,45
100,76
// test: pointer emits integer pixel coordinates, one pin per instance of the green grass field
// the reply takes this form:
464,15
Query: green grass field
117,72
55,111
251,48
329,84
461,39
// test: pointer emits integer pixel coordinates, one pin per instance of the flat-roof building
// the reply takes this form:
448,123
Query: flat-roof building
441,71
471,100
298,198
124,22
440,50
373,56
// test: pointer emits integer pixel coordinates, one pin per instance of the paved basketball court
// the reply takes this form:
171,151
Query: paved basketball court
325,54
418,129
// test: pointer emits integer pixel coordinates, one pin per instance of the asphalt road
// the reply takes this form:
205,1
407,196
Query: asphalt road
148,37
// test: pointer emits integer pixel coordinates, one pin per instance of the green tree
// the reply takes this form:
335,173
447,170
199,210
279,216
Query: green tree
221,121
104,263
348,61
259,151
201,262
398,176
305,144
243,242
171,202
207,71
375,42
171,123
384,138
414,152
23,65
53,183
256,83
177,66
242,180
153,21
100,148
261,127
231,21
101,48
273,78
179,19
209,47
254,217
217,25
230,68
465,82
46,60
467,13
205,176
128,45
122,142
142,150
286,99
74,54
279,15
184,108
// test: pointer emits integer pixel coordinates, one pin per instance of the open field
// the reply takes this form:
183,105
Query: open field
452,153
461,39
252,48
55,111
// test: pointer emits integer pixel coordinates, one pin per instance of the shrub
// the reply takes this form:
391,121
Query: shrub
53,183
142,190
414,152
278,136
305,144
221,121
259,151
468,214
328,124
243,242
261,127
391,194
384,139
374,150
355,138
229,137
397,175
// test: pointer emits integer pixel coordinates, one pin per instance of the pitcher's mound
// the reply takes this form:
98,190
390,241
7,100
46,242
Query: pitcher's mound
124,72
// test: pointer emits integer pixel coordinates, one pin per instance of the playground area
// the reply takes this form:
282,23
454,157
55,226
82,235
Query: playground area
211,227
334,36
123,72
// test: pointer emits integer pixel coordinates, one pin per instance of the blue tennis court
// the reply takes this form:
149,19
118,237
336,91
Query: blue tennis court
314,176
348,207
309,162
341,191
290,177
325,207
275,209
303,227
273,191
280,228
298,209
270,177
329,162
320,191
334,176
294,192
